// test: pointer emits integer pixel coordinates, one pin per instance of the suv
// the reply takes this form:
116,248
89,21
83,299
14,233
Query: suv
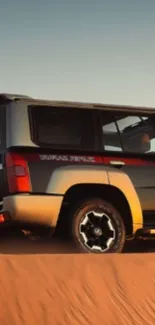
88,168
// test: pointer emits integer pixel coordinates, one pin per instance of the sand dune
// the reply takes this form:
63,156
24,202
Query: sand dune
77,289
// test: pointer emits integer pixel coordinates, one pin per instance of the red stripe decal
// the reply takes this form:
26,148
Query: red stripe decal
73,158
129,161
64,158
87,159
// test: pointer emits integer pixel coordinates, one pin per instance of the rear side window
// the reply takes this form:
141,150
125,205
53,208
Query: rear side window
62,127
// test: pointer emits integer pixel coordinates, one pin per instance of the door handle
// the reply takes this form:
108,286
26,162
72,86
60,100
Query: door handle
117,163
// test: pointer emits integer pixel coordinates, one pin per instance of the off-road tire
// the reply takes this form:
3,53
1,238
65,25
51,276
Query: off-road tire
78,214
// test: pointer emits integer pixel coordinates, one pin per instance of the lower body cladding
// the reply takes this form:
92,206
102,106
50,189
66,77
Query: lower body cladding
33,209
37,209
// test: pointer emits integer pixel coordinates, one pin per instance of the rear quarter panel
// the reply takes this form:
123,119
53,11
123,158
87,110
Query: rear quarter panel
64,178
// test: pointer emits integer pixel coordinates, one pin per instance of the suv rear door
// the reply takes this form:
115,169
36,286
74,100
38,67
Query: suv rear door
64,135
122,150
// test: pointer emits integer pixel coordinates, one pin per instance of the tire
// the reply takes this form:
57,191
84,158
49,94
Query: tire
97,227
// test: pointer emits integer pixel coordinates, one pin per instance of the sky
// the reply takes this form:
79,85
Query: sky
85,50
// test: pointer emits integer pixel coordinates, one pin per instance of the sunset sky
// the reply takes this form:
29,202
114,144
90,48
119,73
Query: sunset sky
100,51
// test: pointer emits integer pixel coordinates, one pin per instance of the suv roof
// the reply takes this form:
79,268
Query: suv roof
4,97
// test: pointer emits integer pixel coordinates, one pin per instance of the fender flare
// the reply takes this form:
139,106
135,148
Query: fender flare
64,178
123,182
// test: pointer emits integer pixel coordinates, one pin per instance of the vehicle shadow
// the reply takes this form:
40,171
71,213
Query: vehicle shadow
140,246
15,243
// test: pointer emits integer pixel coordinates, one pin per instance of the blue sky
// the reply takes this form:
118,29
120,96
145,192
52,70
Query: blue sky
99,51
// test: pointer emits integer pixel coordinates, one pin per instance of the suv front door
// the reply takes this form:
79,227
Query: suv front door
121,150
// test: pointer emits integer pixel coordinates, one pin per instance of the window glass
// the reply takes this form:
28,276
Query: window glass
128,133
61,127
137,133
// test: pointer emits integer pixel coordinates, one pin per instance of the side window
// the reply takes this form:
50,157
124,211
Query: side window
110,135
137,133
62,127
128,133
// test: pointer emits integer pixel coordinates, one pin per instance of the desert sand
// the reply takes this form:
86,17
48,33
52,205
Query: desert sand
74,289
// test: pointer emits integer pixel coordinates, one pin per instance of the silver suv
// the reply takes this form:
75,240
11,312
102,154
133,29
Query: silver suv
89,168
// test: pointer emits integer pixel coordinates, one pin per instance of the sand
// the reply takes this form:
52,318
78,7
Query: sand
77,289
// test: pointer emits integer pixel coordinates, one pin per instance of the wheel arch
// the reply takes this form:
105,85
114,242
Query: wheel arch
114,195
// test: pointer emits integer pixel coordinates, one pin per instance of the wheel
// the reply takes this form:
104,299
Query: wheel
97,227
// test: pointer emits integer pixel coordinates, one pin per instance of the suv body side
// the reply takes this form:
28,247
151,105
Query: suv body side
55,172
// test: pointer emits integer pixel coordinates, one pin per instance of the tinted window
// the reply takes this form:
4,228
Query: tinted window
128,133
137,133
62,128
